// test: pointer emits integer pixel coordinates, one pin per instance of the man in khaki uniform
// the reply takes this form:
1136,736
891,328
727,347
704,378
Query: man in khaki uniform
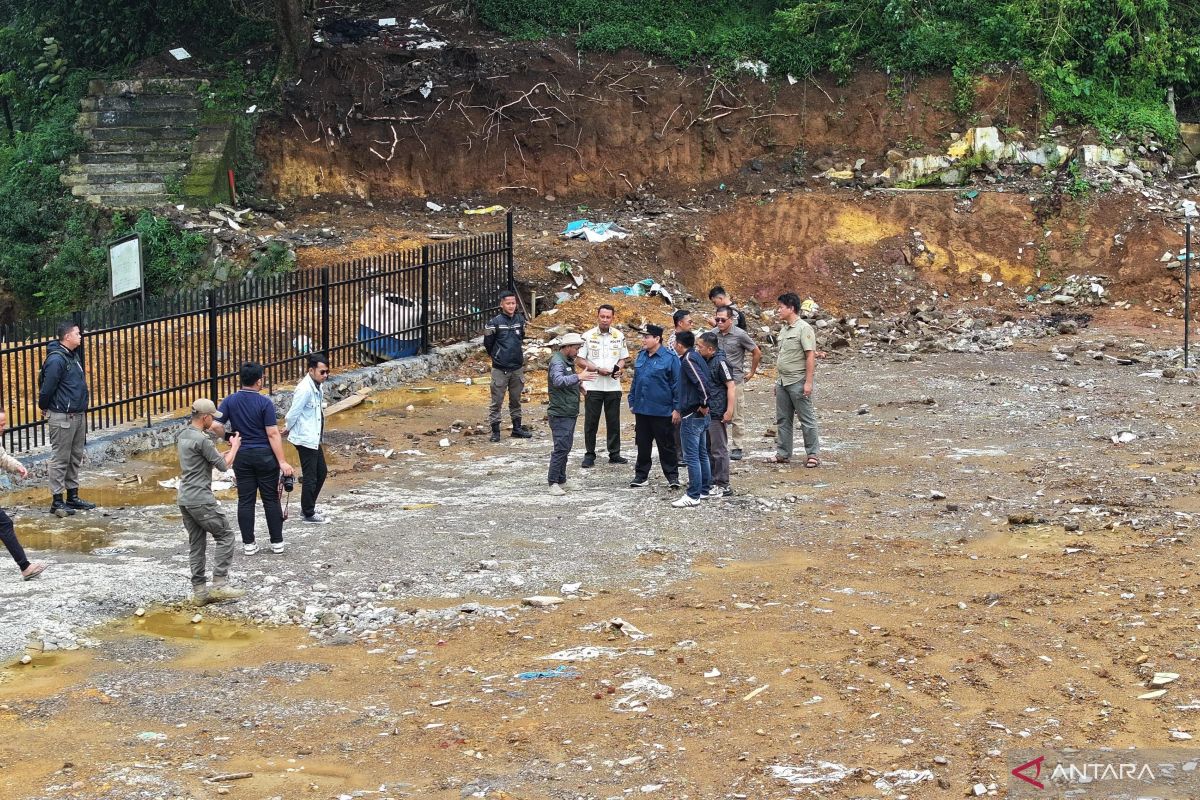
793,391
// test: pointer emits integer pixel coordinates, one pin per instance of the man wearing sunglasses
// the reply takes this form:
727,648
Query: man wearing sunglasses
305,425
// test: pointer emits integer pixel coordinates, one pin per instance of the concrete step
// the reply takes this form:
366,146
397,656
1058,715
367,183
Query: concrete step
132,178
146,86
140,135
152,102
166,167
100,152
129,201
150,187
138,119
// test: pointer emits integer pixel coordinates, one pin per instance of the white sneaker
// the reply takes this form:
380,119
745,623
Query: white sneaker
250,549
713,493
557,490
277,547
686,502
316,519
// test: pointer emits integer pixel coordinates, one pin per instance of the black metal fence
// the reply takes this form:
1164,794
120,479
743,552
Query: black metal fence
141,364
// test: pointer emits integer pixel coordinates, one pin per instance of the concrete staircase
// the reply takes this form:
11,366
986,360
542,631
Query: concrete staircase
150,142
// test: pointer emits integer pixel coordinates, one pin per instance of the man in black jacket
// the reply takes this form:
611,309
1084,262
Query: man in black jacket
503,339
63,395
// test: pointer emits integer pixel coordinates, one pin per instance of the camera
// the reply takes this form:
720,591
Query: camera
288,481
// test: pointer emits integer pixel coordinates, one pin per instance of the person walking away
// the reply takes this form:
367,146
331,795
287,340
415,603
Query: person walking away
605,353
720,299
565,388
793,391
260,458
652,401
8,535
692,398
63,395
304,425
736,344
201,512
503,339
683,322
720,412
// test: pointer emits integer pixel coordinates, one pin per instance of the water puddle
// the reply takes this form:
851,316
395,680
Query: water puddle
395,402
37,536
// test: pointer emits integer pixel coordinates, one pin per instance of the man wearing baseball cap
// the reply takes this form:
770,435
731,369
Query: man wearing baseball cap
198,505
565,388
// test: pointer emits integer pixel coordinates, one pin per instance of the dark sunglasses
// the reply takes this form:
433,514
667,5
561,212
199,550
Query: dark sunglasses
322,372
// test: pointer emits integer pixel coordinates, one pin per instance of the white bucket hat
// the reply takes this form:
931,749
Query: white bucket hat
568,339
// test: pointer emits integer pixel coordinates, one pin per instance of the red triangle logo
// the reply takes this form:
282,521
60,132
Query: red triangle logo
1019,772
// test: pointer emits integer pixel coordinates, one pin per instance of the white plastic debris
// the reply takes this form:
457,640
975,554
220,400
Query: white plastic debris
180,54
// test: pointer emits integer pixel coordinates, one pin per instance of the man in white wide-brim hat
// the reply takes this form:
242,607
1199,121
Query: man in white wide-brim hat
565,387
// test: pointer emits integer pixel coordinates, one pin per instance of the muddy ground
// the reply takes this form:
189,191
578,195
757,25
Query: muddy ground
836,631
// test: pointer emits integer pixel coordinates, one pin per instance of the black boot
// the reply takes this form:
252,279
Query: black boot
74,501
495,437
59,509
518,432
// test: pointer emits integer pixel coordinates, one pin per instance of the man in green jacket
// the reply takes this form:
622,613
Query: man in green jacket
565,388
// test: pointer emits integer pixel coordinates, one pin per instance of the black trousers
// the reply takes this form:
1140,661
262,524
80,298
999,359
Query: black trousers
312,464
9,537
593,404
257,472
648,431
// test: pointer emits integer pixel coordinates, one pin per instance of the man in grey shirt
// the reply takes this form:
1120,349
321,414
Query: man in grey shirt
736,344
201,512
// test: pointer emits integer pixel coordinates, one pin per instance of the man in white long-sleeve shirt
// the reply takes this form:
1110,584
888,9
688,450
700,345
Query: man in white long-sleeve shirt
304,425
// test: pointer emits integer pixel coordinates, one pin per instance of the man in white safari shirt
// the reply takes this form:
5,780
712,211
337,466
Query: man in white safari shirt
603,351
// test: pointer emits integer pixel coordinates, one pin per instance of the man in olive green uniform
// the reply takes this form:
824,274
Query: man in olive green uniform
794,389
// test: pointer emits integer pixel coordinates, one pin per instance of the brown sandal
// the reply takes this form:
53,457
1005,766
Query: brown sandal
778,460
812,462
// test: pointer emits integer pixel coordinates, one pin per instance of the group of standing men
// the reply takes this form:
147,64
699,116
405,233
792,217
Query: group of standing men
687,396
246,419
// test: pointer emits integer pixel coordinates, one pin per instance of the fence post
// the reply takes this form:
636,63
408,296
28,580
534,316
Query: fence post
424,298
325,311
213,388
512,284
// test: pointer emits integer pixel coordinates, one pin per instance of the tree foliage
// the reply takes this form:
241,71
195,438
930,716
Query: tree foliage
1103,61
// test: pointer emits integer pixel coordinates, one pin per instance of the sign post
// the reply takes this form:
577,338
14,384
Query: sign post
1189,211
125,268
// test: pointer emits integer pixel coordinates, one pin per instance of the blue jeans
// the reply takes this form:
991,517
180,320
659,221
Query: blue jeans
691,433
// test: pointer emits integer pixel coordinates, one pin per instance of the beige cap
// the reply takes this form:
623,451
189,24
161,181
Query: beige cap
568,339
205,406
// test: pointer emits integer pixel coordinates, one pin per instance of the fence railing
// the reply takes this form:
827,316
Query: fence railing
193,343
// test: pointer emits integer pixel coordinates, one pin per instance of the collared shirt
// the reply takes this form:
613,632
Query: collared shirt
721,374
250,414
305,418
198,457
737,344
604,350
795,341
654,380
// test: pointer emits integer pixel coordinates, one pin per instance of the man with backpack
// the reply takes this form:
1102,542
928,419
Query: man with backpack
63,395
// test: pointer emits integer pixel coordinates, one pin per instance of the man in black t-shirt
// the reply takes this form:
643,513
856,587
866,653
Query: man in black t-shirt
261,458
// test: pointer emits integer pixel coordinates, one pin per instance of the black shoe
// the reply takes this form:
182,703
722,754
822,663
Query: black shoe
74,501
588,462
638,483
519,432
727,492
618,460
735,455
495,437
675,486
59,509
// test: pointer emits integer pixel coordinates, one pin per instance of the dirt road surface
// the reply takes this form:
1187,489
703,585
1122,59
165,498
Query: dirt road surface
975,568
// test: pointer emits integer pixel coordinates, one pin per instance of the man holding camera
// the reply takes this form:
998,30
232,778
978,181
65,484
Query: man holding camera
605,353
260,460
201,512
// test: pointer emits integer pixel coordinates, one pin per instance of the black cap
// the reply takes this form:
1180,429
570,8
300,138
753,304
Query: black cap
653,330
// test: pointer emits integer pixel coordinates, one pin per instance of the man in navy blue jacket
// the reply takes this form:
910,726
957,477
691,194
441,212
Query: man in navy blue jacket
652,401
504,341
693,394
